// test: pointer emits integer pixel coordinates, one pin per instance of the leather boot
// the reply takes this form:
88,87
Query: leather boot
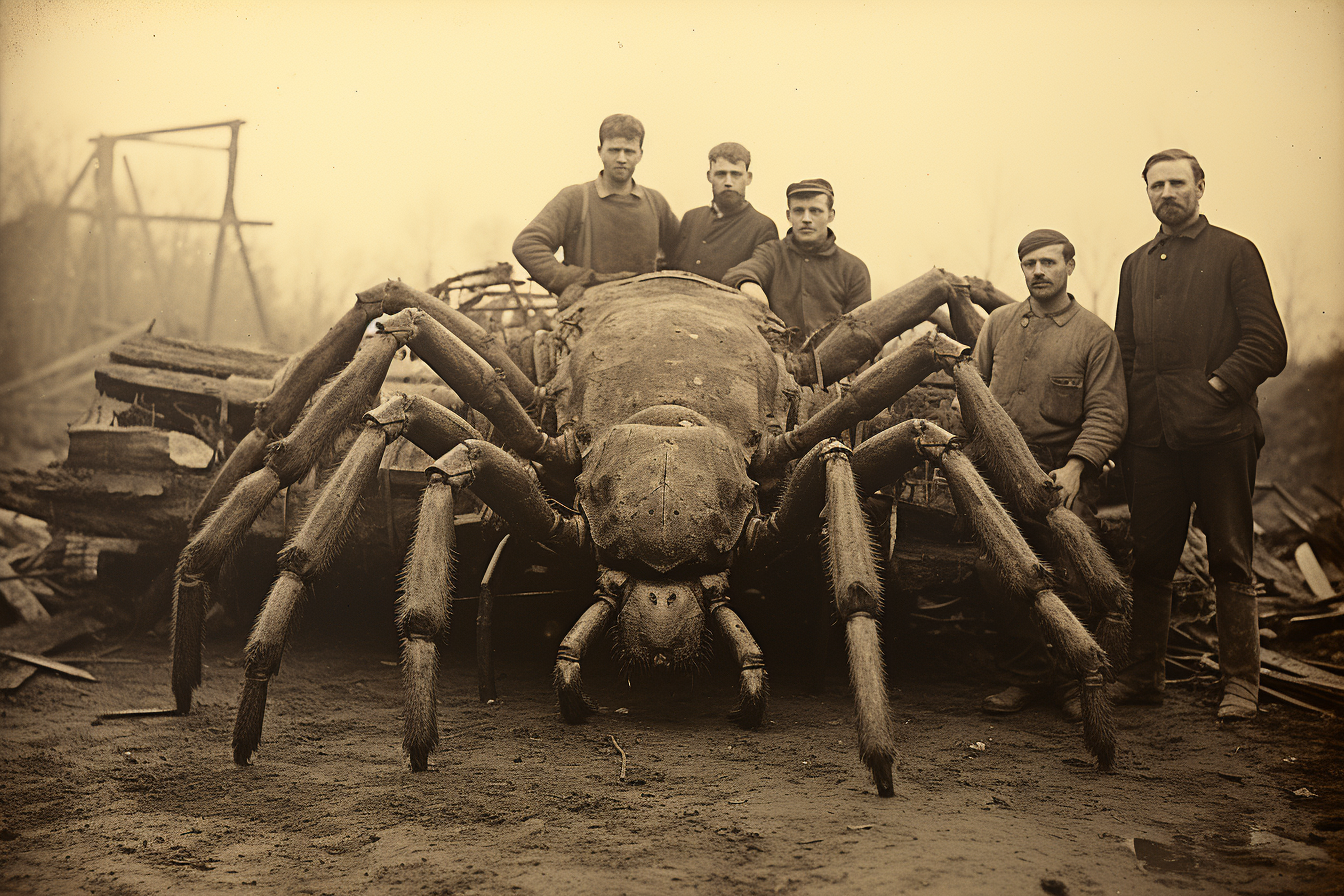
1238,649
1142,682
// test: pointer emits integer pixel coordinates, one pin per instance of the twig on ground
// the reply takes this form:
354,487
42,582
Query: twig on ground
612,738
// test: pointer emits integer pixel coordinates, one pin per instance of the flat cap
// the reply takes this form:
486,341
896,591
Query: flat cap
811,185
1039,239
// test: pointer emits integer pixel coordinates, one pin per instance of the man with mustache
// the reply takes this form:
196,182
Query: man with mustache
610,228
1055,367
717,236
1199,332
806,278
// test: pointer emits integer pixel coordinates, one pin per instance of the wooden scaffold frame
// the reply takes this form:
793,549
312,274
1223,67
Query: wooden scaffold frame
106,214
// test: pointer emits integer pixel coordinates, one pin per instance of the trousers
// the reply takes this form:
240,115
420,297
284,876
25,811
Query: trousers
1163,483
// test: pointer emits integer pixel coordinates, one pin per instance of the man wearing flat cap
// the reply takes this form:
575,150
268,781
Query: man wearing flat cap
805,277
1056,369
726,232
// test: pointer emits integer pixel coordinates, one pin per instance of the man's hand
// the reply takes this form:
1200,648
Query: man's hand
1069,479
1218,384
753,290
577,279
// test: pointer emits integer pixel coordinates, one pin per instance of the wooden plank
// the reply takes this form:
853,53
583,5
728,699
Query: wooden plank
153,508
17,527
20,599
1287,579
1312,572
127,448
44,663
1304,672
126,381
82,554
1301,704
180,397
39,637
187,356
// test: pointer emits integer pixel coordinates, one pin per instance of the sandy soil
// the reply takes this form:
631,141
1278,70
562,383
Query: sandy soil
518,802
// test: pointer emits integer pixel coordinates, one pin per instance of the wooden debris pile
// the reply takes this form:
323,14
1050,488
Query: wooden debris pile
168,412
1299,567
39,576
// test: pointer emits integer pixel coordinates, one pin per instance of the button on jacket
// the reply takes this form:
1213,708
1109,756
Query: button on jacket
1059,378
807,287
1194,305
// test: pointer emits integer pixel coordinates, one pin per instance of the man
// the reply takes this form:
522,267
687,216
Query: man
1198,332
1056,369
717,236
610,228
806,278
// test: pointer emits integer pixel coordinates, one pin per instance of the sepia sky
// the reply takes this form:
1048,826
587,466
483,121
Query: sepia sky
414,139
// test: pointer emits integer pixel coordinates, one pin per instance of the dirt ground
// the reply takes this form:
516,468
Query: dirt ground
518,802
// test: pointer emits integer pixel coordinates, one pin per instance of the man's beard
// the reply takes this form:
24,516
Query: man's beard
1173,213
729,201
1044,290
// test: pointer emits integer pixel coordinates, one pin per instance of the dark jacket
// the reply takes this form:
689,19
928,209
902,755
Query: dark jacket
1194,305
807,288
709,244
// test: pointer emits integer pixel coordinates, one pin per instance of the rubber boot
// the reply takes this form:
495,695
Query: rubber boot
1238,650
1145,678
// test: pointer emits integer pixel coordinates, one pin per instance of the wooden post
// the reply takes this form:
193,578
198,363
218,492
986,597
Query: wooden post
485,608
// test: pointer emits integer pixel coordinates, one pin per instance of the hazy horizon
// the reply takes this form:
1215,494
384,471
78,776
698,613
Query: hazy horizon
413,139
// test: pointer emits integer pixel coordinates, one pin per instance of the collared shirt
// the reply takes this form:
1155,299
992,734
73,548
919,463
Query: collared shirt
621,232
711,242
806,287
1194,305
1060,379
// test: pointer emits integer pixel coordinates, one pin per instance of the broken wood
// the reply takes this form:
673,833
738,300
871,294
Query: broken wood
1317,677
987,295
153,508
1299,683
186,356
83,552
38,638
44,663
493,275
19,597
182,398
133,713
1300,704
16,528
1312,572
127,448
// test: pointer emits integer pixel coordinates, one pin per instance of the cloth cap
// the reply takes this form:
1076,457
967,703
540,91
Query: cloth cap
1039,239
811,185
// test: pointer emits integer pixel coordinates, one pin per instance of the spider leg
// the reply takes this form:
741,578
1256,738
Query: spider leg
309,552
423,616
1027,578
338,404
1032,494
753,682
858,599
575,706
